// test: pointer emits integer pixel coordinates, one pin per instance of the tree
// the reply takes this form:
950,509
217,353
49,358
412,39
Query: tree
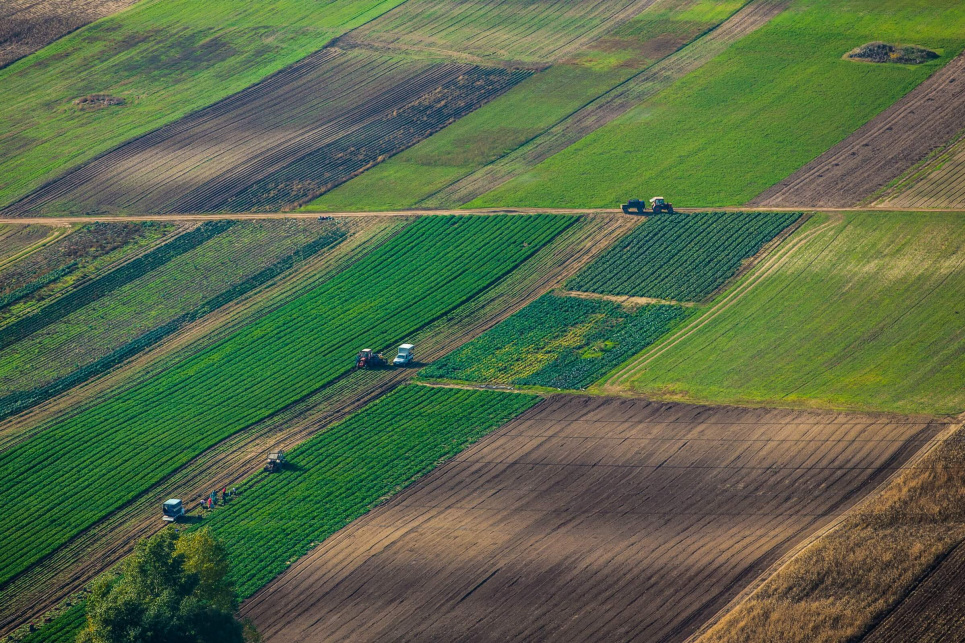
174,588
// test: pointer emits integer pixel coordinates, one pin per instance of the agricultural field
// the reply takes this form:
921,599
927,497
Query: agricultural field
164,59
586,519
28,25
857,311
69,260
681,257
263,367
894,152
18,241
788,71
574,96
149,303
559,342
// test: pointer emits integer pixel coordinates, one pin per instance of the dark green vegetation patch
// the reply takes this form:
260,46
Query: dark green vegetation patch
112,452
680,257
343,472
561,342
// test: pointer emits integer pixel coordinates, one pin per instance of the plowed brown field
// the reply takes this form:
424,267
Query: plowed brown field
28,25
923,121
587,519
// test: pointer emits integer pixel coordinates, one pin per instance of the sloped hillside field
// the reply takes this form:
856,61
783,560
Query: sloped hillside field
105,455
586,519
680,257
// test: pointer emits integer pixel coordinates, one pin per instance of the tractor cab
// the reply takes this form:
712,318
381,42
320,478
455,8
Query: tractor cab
406,353
172,509
276,462
367,358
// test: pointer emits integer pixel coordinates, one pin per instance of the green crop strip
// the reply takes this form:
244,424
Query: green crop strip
22,400
560,342
345,471
113,280
34,286
680,258
63,629
109,454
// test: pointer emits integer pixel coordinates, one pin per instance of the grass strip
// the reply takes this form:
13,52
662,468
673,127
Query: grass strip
102,286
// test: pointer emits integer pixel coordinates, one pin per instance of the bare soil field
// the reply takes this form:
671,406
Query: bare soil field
588,518
926,119
28,25
314,125
608,107
96,549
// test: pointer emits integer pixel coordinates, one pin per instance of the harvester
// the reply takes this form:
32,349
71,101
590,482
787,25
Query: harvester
657,205
276,462
367,358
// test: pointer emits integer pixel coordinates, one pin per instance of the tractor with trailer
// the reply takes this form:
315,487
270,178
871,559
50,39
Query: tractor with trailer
276,462
657,205
172,509
367,358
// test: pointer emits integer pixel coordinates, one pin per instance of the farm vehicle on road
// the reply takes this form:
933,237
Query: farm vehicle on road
657,205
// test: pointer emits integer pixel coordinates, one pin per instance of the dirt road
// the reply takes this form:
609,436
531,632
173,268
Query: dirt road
587,519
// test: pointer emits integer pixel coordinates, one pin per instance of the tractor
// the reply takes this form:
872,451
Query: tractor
367,358
276,462
657,205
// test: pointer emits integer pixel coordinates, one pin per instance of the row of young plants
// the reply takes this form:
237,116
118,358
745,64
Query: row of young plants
560,342
104,285
145,307
84,251
22,400
681,257
87,465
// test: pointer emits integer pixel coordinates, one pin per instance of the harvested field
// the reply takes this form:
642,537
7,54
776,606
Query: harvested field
18,241
238,457
28,25
307,128
587,519
886,147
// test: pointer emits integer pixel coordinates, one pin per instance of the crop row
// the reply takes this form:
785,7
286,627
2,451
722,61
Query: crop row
108,454
102,286
562,342
681,257
21,400
343,472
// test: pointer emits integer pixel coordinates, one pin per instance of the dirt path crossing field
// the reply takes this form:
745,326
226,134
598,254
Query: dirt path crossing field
591,519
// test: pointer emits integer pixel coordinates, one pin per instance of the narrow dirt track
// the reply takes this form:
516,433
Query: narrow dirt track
29,25
590,519
924,120
96,549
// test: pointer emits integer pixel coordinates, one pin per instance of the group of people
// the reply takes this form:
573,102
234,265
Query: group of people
212,500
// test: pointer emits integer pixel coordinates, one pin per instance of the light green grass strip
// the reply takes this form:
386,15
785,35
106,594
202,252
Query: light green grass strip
867,315
772,102
165,58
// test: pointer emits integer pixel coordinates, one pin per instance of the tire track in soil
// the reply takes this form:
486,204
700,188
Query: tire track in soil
587,518
924,120
67,570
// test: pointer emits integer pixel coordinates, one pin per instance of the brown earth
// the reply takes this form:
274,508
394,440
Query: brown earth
93,551
852,171
28,25
587,518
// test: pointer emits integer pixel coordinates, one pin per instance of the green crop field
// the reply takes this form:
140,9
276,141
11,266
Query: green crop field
721,135
165,59
108,454
867,314
349,468
528,109
680,257
560,342
146,307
